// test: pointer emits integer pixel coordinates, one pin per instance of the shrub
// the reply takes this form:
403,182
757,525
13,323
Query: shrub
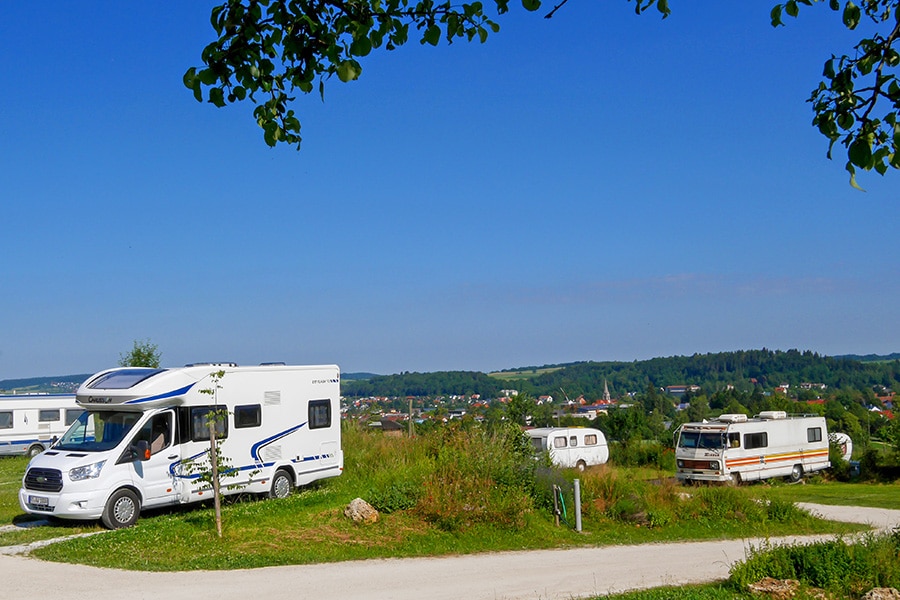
479,476
846,570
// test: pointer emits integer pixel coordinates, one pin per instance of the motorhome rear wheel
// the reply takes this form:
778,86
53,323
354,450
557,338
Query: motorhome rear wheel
281,485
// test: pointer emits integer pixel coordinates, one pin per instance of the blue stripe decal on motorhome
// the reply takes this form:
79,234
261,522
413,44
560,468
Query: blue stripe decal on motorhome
171,394
254,451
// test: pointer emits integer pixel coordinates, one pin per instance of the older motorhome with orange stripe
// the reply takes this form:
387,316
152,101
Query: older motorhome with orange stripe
736,448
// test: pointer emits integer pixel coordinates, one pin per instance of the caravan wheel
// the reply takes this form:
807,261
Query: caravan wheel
282,484
796,474
122,510
34,450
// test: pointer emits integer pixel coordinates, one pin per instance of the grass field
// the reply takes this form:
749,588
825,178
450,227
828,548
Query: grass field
446,493
523,374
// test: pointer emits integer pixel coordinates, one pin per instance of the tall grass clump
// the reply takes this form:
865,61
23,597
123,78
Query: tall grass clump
837,566
454,477
388,472
480,476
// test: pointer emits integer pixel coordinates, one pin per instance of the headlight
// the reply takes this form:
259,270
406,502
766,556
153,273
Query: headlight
713,465
680,464
86,472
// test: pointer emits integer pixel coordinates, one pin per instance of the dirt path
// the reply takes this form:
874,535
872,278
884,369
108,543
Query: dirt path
545,575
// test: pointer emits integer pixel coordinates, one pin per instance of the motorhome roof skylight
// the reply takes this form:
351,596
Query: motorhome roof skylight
123,379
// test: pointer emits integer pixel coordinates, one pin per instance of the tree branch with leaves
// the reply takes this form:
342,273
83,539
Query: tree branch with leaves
268,50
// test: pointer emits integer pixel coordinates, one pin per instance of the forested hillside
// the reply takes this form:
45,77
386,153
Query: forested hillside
745,370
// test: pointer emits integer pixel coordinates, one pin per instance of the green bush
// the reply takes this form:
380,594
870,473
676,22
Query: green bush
844,569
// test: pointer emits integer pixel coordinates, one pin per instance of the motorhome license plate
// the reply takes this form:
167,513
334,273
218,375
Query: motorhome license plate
38,500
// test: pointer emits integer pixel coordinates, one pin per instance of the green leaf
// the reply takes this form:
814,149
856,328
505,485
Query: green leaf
531,5
348,70
852,172
361,46
791,8
860,154
775,16
432,35
851,15
217,97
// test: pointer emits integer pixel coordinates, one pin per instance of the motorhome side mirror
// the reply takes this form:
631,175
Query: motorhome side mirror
142,450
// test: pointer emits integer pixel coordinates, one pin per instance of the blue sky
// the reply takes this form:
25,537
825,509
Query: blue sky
599,186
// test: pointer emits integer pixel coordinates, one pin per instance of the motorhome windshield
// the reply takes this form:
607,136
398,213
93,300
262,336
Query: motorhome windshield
701,440
98,431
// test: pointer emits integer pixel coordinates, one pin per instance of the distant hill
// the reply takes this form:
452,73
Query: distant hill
871,357
58,384
357,376
745,370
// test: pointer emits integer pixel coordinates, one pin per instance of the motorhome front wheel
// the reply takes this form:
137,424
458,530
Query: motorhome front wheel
122,510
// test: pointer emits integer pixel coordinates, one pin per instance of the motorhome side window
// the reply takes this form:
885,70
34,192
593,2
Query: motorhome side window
756,440
734,440
247,416
319,414
48,415
814,434
200,423
6,419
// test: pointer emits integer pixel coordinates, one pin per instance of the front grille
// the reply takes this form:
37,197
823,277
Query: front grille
43,480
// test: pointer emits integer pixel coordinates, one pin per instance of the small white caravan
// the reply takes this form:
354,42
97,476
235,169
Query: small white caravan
133,446
736,448
29,423
571,447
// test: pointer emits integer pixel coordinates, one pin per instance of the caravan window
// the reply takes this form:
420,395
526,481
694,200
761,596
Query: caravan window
6,419
590,439
814,434
559,442
537,443
48,415
200,423
319,414
756,440
72,415
573,441
247,416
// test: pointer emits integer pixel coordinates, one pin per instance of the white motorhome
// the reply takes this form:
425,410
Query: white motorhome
736,448
29,423
143,429
571,447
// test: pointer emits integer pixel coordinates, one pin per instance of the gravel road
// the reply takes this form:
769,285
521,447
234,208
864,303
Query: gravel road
544,574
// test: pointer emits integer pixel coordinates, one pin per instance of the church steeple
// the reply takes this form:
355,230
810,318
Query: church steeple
606,396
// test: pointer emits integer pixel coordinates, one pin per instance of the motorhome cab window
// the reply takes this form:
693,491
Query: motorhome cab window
814,434
72,415
200,423
48,415
6,420
559,442
247,416
756,440
590,440
319,414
